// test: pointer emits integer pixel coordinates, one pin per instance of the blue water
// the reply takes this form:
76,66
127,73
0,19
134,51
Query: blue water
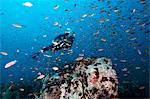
118,46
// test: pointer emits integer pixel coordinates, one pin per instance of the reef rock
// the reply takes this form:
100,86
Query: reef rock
88,79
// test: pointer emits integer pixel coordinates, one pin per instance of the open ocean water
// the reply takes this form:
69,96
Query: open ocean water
115,29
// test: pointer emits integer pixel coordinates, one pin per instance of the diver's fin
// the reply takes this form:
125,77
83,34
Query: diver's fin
35,55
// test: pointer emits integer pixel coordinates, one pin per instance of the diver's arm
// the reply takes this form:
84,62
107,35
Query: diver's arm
58,37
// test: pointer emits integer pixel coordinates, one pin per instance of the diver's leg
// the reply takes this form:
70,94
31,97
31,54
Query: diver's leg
41,51
52,47
45,49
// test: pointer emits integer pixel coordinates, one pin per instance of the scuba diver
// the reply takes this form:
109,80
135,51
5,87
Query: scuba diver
63,41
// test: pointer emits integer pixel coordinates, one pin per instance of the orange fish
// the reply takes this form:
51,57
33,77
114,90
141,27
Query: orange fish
10,64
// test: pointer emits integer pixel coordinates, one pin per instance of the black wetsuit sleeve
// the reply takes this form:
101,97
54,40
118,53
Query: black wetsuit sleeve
71,39
58,37
61,37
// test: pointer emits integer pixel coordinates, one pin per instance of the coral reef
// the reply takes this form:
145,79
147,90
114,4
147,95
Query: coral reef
87,78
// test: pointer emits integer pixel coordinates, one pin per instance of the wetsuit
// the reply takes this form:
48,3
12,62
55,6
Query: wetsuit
63,41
